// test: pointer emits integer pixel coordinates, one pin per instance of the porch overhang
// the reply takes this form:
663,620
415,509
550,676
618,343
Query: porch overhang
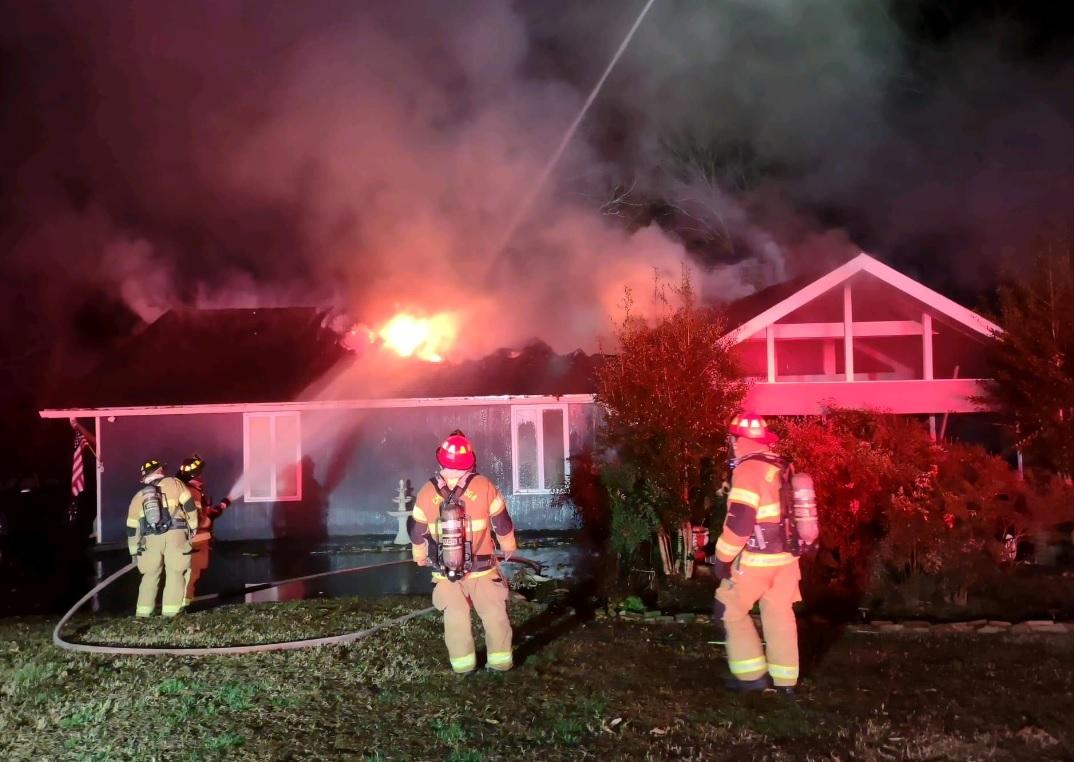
903,397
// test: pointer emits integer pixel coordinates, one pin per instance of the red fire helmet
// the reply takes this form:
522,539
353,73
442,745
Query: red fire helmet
752,426
456,452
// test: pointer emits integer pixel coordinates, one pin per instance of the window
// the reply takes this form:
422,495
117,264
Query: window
272,456
540,442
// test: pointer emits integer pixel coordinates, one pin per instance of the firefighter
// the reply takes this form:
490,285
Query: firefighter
160,519
456,516
754,564
190,473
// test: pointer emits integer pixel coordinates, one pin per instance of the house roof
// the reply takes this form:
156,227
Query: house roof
779,301
242,357
534,370
195,357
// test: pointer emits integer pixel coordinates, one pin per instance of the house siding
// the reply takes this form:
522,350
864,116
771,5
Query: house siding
353,461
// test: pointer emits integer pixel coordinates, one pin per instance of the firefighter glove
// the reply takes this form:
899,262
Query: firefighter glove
722,569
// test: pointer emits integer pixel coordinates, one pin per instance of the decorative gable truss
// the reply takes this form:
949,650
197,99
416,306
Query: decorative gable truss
864,335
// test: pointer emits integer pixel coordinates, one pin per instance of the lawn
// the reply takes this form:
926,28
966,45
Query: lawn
584,689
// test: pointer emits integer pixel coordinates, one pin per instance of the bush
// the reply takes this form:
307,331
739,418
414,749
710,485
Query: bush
900,513
666,395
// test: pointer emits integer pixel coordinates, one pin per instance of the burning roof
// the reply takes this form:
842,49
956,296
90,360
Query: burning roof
235,356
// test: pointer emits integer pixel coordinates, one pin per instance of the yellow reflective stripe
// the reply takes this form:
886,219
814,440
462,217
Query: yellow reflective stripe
744,496
746,666
766,559
783,671
132,523
500,658
464,663
144,610
768,511
477,525
726,551
419,515
170,609
496,506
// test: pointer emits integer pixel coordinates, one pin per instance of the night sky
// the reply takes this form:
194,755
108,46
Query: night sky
363,155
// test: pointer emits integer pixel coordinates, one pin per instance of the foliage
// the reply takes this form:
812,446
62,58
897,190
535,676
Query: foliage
896,507
667,394
1032,361
858,461
633,504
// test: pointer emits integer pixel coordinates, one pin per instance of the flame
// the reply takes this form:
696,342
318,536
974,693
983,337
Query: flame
425,338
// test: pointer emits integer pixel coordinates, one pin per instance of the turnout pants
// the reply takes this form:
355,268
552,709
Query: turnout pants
776,587
168,553
488,595
200,551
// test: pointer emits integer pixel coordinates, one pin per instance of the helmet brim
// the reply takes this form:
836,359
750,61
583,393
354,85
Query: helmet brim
766,438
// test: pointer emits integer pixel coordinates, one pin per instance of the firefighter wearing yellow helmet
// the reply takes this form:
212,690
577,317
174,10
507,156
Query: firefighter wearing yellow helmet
190,473
457,518
159,523
757,560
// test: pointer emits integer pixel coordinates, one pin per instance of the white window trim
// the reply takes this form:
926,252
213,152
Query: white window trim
272,498
539,419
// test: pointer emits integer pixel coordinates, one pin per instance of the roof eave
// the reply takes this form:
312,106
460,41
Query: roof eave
355,404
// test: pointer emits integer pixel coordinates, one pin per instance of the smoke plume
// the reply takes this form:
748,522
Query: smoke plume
369,155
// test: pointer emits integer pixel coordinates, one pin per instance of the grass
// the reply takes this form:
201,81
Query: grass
600,689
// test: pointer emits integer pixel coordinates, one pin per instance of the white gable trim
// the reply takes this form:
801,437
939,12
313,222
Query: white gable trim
864,263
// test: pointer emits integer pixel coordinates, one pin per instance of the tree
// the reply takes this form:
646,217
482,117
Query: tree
667,394
1033,359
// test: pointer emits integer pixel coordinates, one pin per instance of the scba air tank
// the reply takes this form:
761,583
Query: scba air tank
806,523
453,555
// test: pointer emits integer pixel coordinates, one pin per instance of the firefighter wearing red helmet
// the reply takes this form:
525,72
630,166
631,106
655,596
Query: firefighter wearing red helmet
458,518
754,563
191,474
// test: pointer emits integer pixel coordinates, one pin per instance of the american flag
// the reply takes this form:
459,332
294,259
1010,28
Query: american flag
78,468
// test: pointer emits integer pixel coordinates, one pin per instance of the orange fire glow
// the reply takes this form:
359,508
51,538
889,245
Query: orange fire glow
425,338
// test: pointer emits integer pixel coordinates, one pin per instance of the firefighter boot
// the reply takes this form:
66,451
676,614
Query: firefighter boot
762,683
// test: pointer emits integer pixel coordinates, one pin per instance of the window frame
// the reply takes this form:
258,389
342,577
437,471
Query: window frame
273,496
516,411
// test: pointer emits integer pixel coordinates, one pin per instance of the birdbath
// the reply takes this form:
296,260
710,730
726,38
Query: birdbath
402,537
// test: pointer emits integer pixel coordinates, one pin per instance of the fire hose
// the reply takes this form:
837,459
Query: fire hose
290,645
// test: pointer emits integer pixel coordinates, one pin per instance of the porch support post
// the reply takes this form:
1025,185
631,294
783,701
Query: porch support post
770,345
926,346
100,474
848,332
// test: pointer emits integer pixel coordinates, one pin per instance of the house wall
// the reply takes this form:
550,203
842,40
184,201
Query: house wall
129,441
352,463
